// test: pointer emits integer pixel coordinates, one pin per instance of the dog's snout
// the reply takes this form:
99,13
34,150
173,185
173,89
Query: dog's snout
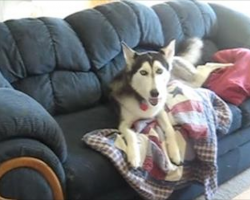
154,93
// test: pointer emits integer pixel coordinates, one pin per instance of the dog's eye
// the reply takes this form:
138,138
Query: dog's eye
143,73
159,71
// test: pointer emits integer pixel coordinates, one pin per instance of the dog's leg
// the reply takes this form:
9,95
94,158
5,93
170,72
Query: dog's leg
183,69
204,71
171,140
133,149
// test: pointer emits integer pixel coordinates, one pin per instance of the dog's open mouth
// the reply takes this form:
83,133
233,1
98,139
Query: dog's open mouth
153,101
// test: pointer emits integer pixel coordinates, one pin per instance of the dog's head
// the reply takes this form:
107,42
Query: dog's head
149,72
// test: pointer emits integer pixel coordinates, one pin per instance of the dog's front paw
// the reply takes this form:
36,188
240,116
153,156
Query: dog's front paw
133,156
174,153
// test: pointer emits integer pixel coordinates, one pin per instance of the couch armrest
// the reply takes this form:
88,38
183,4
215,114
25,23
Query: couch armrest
233,28
30,170
23,117
3,82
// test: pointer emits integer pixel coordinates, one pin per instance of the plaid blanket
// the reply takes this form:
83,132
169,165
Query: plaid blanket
197,115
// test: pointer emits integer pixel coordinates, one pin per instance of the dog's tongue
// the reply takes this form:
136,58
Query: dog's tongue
153,101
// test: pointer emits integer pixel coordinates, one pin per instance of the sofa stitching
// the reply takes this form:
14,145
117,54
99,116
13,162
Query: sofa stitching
82,44
18,50
107,19
92,68
138,18
161,21
113,27
178,17
51,38
95,70
87,52
203,19
161,25
56,61
56,58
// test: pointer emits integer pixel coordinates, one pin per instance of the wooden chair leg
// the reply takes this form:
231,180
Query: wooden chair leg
37,165
1,198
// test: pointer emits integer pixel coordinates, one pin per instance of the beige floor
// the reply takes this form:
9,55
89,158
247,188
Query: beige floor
243,196
238,188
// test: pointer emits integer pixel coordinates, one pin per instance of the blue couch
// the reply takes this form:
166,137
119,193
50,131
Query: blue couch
54,76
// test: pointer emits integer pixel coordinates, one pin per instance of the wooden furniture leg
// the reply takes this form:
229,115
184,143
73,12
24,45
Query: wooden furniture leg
40,167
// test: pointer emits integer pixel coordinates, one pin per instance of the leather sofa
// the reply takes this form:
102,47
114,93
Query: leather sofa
54,77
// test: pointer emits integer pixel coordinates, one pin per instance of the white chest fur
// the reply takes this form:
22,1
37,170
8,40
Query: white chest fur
131,111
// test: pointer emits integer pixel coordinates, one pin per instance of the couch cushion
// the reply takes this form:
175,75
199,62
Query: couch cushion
228,142
22,117
3,82
144,27
89,174
45,59
232,141
229,165
237,118
87,171
245,109
25,147
177,20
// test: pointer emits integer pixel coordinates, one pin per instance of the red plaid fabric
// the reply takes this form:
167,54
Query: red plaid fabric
199,116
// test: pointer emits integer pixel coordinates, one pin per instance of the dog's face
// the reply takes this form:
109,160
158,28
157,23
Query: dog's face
149,72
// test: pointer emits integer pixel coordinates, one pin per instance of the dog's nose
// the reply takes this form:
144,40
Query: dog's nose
154,93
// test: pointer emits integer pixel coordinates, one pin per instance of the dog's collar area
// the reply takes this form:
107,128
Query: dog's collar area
143,105
142,102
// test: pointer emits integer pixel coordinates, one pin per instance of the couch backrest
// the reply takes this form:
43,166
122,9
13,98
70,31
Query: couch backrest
67,64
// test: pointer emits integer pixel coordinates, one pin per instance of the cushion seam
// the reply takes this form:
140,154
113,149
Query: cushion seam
56,61
179,19
19,52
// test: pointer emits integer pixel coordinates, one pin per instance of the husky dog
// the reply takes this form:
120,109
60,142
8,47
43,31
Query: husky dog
141,92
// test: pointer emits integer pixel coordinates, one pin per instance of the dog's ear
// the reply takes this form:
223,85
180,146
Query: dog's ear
129,55
169,50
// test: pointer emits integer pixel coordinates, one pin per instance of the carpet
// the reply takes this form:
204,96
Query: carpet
233,187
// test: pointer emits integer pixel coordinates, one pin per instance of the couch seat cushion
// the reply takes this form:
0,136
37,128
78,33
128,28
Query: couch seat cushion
237,118
233,140
88,173
245,109
236,133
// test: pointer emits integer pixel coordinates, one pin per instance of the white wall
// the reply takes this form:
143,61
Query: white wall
54,8
12,9
1,12
241,6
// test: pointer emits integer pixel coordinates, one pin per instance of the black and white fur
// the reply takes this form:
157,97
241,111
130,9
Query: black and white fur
184,63
141,92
